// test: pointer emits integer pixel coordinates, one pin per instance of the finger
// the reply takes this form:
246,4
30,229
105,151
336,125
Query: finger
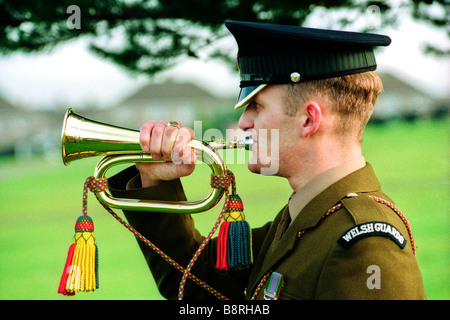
168,141
184,137
156,139
145,133
188,155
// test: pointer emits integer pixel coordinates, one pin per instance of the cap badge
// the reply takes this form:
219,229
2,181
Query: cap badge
295,77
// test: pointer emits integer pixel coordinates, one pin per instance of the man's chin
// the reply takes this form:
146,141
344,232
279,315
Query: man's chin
254,168
265,170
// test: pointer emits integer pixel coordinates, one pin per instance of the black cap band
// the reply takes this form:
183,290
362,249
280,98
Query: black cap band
310,65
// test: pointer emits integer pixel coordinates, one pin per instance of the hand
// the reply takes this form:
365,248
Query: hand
170,143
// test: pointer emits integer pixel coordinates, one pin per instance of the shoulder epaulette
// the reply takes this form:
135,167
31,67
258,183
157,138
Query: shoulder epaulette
362,208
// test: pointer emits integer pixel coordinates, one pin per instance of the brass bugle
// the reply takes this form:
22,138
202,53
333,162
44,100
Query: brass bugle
82,138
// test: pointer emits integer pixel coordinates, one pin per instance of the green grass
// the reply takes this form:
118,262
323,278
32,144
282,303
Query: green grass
412,162
41,199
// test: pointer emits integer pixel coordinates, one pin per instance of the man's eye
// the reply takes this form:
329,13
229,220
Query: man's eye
255,105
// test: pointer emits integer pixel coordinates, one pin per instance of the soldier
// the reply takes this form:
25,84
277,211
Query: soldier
339,236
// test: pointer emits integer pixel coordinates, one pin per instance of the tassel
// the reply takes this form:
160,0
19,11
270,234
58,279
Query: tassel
65,275
222,263
234,246
81,269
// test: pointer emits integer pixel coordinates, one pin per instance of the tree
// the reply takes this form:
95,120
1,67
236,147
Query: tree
148,36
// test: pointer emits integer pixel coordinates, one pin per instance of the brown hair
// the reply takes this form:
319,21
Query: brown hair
352,99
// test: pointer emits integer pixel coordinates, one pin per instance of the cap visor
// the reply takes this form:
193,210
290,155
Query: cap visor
247,94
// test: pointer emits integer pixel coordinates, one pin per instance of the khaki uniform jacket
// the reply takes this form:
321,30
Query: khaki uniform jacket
315,266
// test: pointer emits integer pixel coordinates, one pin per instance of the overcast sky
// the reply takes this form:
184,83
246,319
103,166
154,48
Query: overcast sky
72,76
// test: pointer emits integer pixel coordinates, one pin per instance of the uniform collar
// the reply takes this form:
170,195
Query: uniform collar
300,199
362,180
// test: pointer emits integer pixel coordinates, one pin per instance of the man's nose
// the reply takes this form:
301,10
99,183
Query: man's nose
246,121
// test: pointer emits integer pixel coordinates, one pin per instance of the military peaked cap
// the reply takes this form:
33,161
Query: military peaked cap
276,54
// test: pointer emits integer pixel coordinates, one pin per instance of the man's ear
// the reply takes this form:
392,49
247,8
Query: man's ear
311,118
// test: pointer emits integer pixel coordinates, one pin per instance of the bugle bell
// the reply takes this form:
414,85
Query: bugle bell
82,138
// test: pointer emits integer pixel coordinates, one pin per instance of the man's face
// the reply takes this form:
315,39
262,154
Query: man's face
273,132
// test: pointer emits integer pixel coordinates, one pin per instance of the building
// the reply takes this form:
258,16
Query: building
400,99
25,132
184,102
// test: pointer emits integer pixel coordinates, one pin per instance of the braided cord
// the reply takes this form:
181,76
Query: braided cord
99,185
330,211
95,186
260,285
401,216
218,182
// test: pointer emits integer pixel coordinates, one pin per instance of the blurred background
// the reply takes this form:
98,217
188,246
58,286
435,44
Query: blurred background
125,62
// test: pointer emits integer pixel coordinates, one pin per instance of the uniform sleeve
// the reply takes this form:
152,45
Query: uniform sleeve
373,268
176,235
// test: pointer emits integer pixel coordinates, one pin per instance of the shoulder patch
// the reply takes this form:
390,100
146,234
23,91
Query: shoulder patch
370,229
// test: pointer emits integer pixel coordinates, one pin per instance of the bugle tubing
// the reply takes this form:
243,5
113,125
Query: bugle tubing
82,138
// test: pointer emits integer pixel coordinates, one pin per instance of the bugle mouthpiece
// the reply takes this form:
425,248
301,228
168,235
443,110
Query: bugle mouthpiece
245,143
